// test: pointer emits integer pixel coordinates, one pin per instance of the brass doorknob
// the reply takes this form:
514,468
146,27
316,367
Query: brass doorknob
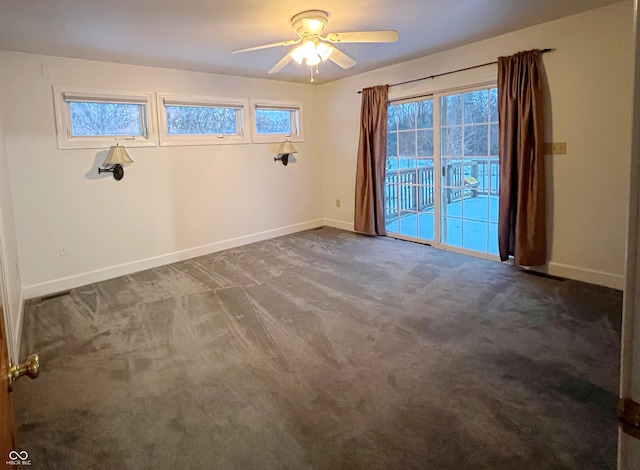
30,367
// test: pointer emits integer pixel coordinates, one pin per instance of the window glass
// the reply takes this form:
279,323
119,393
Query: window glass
476,140
493,104
201,120
425,143
425,114
406,116
476,107
274,121
407,144
392,124
392,144
493,149
451,141
106,119
450,110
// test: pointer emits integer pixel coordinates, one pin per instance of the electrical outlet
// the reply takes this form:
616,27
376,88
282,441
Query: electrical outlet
64,249
337,202
559,148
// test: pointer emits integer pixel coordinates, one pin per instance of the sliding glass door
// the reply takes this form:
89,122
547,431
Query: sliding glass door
410,178
442,170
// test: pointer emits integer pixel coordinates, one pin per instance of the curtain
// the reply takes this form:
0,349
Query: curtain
521,210
372,154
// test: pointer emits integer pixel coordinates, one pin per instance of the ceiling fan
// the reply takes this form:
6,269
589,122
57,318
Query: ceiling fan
314,48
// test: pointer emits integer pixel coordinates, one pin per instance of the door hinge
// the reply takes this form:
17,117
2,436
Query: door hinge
629,417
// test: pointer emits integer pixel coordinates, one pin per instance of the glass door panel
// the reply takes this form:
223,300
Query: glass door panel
449,197
410,179
469,170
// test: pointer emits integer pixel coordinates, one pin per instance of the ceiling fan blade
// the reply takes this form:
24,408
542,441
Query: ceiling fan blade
267,46
280,65
363,36
342,59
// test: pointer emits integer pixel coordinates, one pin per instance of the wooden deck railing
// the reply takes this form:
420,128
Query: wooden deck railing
412,189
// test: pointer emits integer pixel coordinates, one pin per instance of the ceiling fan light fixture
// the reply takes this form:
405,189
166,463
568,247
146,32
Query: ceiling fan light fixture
314,26
324,50
313,59
311,53
298,54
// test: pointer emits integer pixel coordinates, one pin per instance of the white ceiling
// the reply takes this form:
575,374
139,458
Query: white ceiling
199,34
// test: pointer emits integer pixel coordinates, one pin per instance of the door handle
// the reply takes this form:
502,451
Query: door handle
30,367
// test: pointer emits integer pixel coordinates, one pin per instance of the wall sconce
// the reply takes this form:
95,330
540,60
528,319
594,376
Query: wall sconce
116,157
286,148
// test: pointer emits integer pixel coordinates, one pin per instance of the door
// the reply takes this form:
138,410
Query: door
442,170
8,374
628,446
6,411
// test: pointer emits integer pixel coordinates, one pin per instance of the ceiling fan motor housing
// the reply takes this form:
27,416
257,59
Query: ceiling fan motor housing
310,22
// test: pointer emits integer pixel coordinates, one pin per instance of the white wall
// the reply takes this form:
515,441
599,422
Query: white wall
12,287
178,202
173,203
589,106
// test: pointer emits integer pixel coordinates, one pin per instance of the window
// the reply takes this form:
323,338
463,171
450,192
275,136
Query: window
198,120
274,121
442,170
88,119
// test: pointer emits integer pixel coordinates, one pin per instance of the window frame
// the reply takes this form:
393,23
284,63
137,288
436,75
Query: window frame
63,96
296,106
171,99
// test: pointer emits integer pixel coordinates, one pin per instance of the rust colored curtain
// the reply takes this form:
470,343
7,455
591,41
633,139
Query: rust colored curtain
521,211
372,154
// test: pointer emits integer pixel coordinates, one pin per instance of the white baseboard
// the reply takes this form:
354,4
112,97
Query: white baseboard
338,224
614,281
592,276
77,280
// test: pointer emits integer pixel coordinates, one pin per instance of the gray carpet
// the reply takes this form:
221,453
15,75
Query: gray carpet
324,350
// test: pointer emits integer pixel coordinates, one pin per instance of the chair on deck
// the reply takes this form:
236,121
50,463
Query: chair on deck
471,184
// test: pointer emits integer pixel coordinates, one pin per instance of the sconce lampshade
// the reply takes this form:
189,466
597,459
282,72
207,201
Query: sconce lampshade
286,147
117,156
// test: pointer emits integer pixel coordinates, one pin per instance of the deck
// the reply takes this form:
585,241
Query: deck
477,231
469,216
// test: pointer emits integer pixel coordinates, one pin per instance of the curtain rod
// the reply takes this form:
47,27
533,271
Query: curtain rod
543,51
